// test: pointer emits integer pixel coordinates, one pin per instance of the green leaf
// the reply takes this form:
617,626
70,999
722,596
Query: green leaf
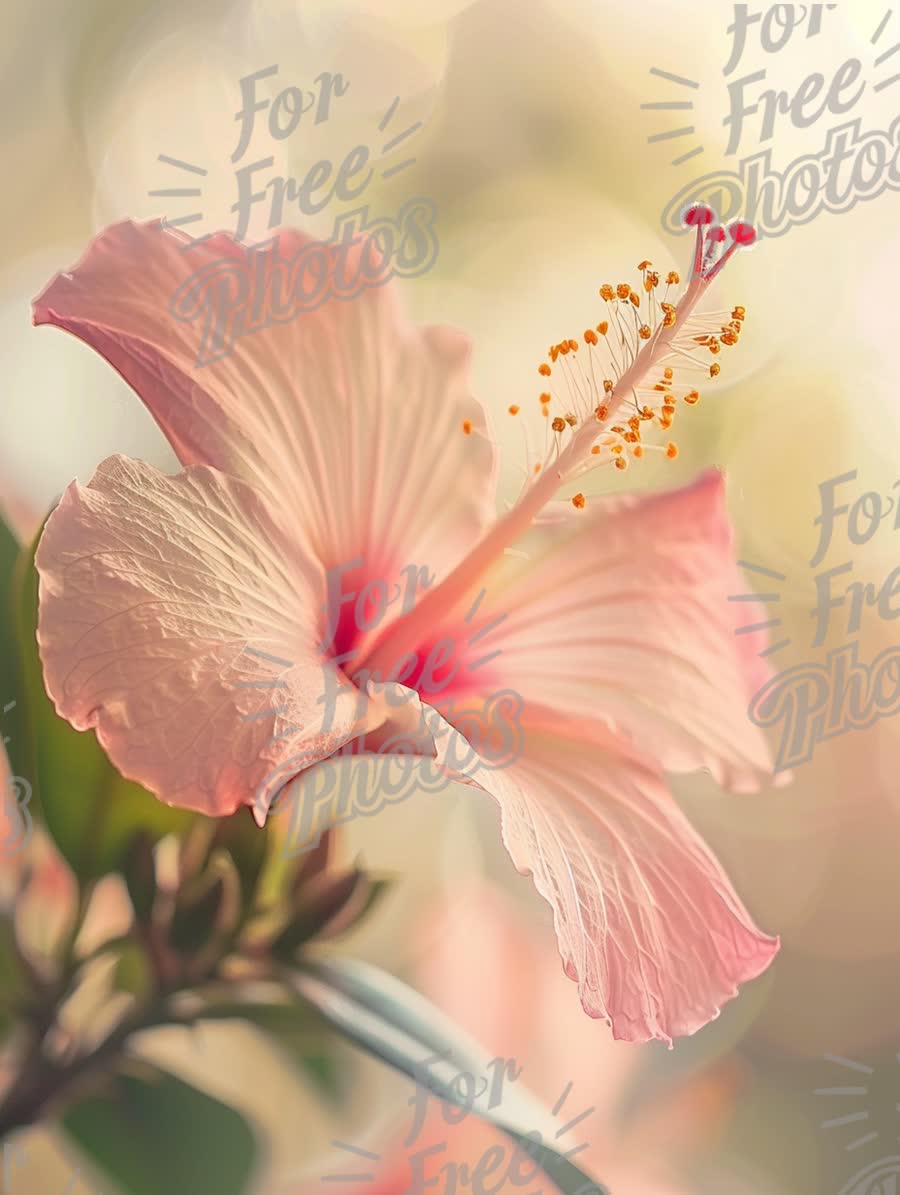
140,876
160,1134
90,810
133,972
247,845
391,1021
196,915
11,723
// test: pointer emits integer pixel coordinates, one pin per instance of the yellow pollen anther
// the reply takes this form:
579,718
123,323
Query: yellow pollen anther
573,345
596,450
545,397
623,290
635,298
715,369
667,374
621,463
590,336
603,327
638,450
467,427
607,386
601,412
693,397
644,265
671,450
544,369
537,467
513,410
607,292
616,449
668,409
558,425
644,332
554,353
665,422
739,313
564,347
578,501
571,420
673,278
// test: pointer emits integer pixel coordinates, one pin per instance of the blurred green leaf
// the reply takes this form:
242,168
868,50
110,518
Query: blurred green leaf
14,982
140,876
397,1025
11,723
90,810
196,914
133,972
240,836
161,1135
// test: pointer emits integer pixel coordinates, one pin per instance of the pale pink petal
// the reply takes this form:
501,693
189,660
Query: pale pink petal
347,417
180,622
646,920
623,611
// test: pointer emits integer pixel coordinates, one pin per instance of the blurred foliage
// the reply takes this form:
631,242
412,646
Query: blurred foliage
210,939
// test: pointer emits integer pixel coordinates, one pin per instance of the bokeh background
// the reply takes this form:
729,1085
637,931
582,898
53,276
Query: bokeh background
536,151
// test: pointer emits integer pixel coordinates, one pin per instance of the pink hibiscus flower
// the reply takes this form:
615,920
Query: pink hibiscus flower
348,437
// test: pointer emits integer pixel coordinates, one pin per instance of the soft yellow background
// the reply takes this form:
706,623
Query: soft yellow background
535,152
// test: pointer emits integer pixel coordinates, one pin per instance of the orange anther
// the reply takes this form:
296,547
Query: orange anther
513,410
578,501
467,426
544,369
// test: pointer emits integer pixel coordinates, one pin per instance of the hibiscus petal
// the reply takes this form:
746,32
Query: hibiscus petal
179,621
646,920
622,609
347,417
